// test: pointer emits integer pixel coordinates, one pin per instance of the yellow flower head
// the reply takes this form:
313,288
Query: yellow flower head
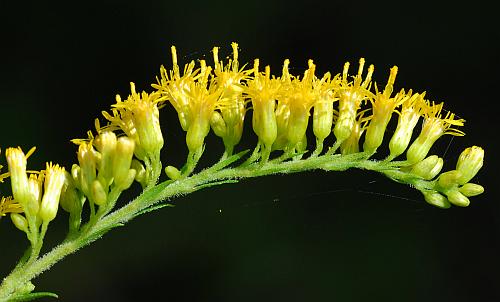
227,122
138,118
176,88
295,101
351,94
434,127
193,96
383,105
411,111
54,181
263,91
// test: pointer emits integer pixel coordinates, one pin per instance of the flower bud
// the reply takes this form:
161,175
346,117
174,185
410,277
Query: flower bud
35,183
87,158
99,196
19,179
457,198
140,175
297,127
449,179
323,118
264,122
470,189
106,145
54,181
436,199
122,161
70,200
428,168
19,222
218,124
172,172
469,163
146,120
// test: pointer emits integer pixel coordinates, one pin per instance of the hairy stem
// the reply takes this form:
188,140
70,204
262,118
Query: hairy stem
211,176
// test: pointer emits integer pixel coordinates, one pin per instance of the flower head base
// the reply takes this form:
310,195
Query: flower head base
433,128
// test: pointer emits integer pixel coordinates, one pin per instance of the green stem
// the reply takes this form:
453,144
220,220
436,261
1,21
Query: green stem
169,189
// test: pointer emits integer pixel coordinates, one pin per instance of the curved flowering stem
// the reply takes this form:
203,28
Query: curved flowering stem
127,149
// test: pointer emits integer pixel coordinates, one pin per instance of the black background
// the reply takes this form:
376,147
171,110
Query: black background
350,236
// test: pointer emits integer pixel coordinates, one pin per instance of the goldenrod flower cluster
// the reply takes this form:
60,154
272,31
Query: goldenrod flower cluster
217,96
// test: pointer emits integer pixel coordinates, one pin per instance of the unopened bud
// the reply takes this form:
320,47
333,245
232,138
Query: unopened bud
469,163
70,200
106,145
19,222
323,118
470,189
218,124
19,179
122,161
172,172
140,175
99,196
449,179
457,198
428,168
436,199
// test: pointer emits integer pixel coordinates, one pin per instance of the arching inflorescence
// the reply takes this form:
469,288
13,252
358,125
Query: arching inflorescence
218,96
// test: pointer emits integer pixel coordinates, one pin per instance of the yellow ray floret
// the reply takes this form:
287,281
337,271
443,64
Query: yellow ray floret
9,205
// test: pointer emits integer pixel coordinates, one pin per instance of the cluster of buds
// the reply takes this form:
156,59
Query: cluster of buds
105,164
36,195
453,187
